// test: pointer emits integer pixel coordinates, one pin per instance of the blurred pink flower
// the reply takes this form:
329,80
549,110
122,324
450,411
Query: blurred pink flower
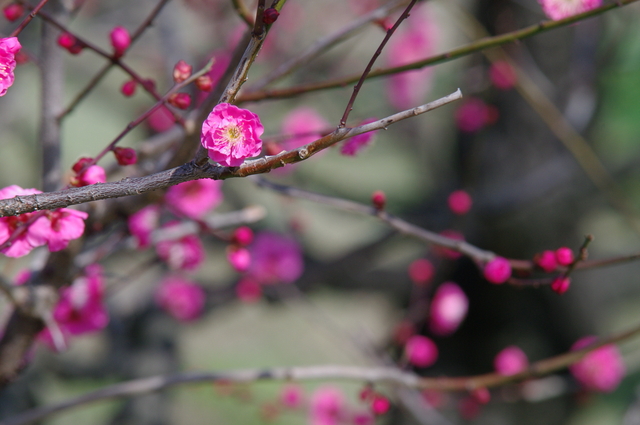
459,202
473,115
231,134
27,239
502,75
304,124
560,9
120,40
58,227
185,253
421,351
182,299
421,271
600,370
239,258
142,223
414,41
497,271
292,396
510,361
8,49
194,198
92,175
248,290
546,260
276,259
354,145
448,309
80,308
327,406
161,119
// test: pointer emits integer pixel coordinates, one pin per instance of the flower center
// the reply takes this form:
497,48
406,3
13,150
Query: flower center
233,134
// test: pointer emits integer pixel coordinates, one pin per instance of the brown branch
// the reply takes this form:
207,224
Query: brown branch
28,18
382,375
193,171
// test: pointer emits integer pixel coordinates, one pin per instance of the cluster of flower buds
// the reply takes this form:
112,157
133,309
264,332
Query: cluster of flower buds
69,42
378,403
87,174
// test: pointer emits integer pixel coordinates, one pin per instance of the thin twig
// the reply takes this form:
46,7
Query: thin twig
325,43
193,171
28,18
243,12
367,70
382,375
476,46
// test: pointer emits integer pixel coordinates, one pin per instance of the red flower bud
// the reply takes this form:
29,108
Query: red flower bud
270,16
242,236
129,88
120,40
380,405
204,83
70,43
180,100
13,11
80,163
125,156
378,199
181,71
560,285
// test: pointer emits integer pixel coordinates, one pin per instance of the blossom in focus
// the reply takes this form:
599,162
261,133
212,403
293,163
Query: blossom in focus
8,49
355,144
59,227
80,308
182,299
327,406
421,351
601,369
560,9
304,125
142,223
194,198
510,361
275,259
26,240
412,42
448,309
231,134
184,253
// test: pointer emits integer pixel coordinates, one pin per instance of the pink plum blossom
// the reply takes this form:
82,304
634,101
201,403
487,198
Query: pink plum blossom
560,284
546,260
8,49
421,271
291,396
473,115
510,361
182,299
26,239
448,309
564,256
276,258
502,75
421,351
59,227
600,370
239,258
231,134
161,119
414,41
560,9
142,223
194,198
327,406
92,175
304,125
459,202
80,308
248,290
356,144
497,271
185,253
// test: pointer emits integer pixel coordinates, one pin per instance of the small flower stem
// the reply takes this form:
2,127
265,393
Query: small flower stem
243,12
28,18
367,70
